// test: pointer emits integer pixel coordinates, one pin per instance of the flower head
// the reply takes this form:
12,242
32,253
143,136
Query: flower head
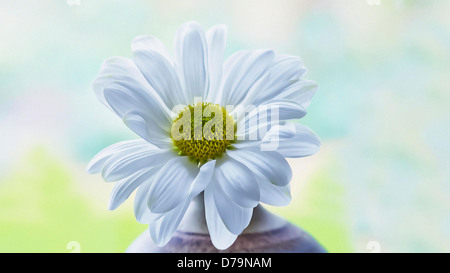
208,126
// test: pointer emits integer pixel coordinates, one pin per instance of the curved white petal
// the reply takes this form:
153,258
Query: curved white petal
161,75
235,217
286,109
274,195
129,106
122,165
237,181
191,58
162,229
172,184
124,102
227,69
124,188
122,74
271,165
255,124
292,140
203,178
150,43
300,92
141,211
221,237
216,38
284,71
122,87
241,72
98,161
142,126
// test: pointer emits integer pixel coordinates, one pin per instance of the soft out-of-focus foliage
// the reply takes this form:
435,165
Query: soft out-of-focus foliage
43,209
381,111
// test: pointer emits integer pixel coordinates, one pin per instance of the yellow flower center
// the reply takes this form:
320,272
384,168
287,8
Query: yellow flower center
203,131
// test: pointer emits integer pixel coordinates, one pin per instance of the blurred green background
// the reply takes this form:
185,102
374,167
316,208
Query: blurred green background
382,112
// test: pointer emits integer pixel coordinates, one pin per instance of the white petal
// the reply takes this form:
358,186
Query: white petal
271,165
142,126
241,72
228,68
123,165
292,140
285,71
221,237
237,181
287,109
235,217
172,184
124,102
121,74
98,161
149,43
191,60
244,144
122,87
216,38
124,188
161,75
254,125
203,178
162,229
274,195
300,92
141,211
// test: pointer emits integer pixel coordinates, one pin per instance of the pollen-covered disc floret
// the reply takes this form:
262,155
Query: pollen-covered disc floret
203,131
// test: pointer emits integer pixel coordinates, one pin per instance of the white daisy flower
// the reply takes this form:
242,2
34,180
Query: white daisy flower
233,172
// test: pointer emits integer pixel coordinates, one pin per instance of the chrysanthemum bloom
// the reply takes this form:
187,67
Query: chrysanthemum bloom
192,143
